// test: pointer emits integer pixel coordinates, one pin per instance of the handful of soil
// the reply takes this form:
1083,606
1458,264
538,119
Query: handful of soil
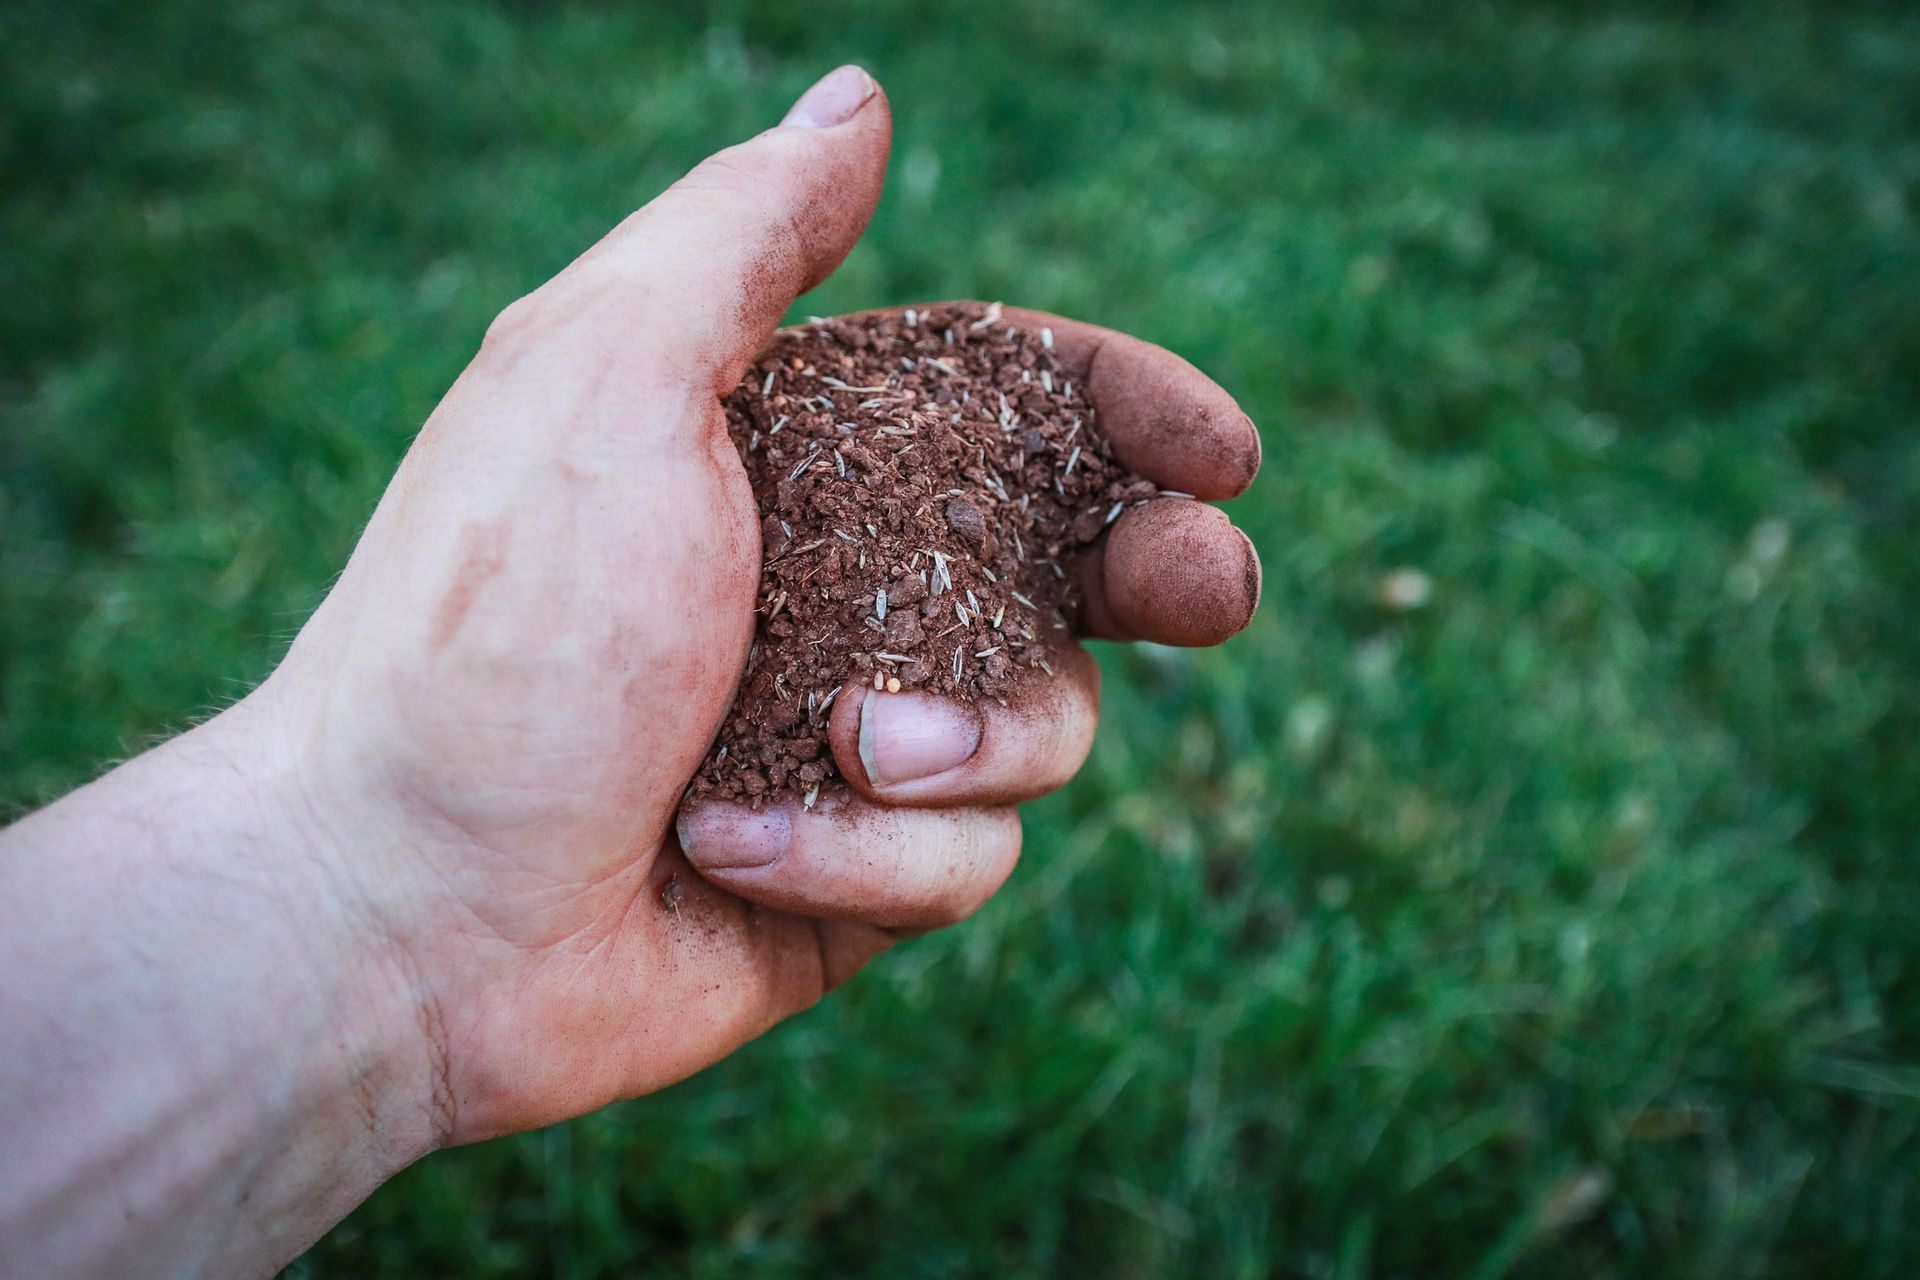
924,480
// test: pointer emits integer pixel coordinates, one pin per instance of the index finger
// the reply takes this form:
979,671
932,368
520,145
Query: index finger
1167,420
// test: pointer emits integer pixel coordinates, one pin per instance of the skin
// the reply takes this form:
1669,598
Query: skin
430,883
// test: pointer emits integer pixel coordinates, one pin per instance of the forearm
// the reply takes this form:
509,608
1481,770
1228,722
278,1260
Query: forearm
203,1069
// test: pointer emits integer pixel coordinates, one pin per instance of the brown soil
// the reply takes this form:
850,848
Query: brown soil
924,480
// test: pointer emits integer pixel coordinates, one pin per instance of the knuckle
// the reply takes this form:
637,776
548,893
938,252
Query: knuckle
757,196
723,174
516,321
598,302
954,877
992,848
1057,737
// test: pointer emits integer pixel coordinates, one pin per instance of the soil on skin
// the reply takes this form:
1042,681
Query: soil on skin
924,481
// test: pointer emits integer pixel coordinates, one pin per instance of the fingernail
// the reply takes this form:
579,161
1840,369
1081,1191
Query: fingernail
906,736
833,99
722,836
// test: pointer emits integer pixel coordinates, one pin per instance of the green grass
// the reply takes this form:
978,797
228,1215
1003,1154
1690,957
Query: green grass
1568,925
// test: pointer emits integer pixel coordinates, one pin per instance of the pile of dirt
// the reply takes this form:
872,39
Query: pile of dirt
924,480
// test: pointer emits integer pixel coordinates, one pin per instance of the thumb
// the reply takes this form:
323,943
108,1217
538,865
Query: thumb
706,270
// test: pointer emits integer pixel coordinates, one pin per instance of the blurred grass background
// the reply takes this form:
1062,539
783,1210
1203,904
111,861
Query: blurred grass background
1568,923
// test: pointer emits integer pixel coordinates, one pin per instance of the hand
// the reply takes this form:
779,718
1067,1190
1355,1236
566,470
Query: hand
499,705
424,885
930,833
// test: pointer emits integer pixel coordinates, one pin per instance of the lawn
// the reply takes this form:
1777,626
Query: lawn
1567,923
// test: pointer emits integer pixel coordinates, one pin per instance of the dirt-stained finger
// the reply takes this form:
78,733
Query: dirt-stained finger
1174,572
923,750
706,269
848,858
1166,419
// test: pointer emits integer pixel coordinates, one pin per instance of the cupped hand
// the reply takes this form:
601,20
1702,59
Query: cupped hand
498,706
931,832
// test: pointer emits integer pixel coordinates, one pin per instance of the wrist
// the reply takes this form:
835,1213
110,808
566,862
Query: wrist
374,1054
201,1017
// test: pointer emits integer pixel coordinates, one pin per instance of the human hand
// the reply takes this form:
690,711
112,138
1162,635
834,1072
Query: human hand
498,707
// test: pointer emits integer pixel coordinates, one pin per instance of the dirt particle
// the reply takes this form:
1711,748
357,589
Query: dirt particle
965,519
